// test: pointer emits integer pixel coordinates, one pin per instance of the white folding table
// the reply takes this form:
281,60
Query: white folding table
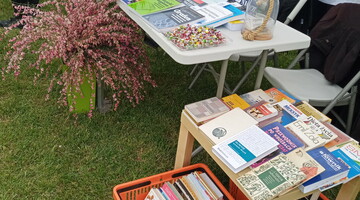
285,39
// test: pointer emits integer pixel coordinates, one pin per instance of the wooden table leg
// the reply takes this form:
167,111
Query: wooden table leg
184,148
315,195
349,190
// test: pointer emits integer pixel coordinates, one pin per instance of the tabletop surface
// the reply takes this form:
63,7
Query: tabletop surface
285,39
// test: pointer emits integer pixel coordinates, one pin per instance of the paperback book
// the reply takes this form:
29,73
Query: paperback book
227,125
262,112
271,179
353,172
320,129
290,112
287,141
334,170
305,134
170,19
245,148
234,101
309,110
278,95
256,96
206,109
305,163
340,139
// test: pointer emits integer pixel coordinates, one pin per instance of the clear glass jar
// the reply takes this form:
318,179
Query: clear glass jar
260,18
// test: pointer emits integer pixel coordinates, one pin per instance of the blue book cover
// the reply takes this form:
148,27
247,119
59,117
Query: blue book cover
236,12
334,169
354,167
286,118
287,141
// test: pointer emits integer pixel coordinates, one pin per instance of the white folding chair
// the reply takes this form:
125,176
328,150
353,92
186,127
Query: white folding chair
311,85
246,57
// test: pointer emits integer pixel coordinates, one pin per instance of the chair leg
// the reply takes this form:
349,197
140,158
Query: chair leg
276,60
351,109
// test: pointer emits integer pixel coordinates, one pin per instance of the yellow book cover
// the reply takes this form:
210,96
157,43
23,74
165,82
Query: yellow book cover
234,101
309,110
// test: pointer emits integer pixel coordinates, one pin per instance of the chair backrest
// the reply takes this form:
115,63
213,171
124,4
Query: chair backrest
295,11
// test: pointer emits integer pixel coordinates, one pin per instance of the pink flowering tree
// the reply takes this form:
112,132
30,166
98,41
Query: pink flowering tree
92,38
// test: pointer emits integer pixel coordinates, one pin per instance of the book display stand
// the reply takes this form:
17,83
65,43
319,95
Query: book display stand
189,131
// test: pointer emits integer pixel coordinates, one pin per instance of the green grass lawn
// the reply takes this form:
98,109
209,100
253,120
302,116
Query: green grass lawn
46,154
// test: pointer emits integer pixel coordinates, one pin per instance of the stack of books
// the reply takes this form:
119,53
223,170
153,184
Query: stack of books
316,154
189,187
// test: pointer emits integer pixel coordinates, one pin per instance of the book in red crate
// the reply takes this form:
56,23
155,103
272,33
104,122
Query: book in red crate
139,189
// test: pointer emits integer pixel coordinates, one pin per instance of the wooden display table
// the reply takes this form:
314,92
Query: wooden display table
189,131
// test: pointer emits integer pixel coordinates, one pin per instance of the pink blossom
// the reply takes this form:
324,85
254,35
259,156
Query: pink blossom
90,37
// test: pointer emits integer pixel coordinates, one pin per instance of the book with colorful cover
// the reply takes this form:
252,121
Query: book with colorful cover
200,190
290,112
334,170
169,19
287,141
145,7
212,186
256,96
352,149
168,191
340,139
182,190
271,179
204,186
353,172
309,110
234,101
262,112
278,95
245,148
154,195
301,130
175,191
185,182
305,163
320,129
203,110
227,125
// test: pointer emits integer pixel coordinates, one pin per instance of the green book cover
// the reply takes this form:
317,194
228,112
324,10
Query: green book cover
145,7
271,178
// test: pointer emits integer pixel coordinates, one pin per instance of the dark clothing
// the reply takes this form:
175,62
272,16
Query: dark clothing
335,48
25,2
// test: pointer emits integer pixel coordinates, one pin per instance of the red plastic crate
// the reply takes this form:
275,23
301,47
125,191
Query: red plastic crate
138,189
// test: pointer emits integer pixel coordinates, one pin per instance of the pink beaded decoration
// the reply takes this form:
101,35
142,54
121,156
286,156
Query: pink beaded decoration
194,37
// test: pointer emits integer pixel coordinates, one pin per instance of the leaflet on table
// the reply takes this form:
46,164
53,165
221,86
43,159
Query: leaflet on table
169,19
144,7
236,15
213,13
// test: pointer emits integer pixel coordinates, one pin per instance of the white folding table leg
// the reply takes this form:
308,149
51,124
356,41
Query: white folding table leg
260,74
223,69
